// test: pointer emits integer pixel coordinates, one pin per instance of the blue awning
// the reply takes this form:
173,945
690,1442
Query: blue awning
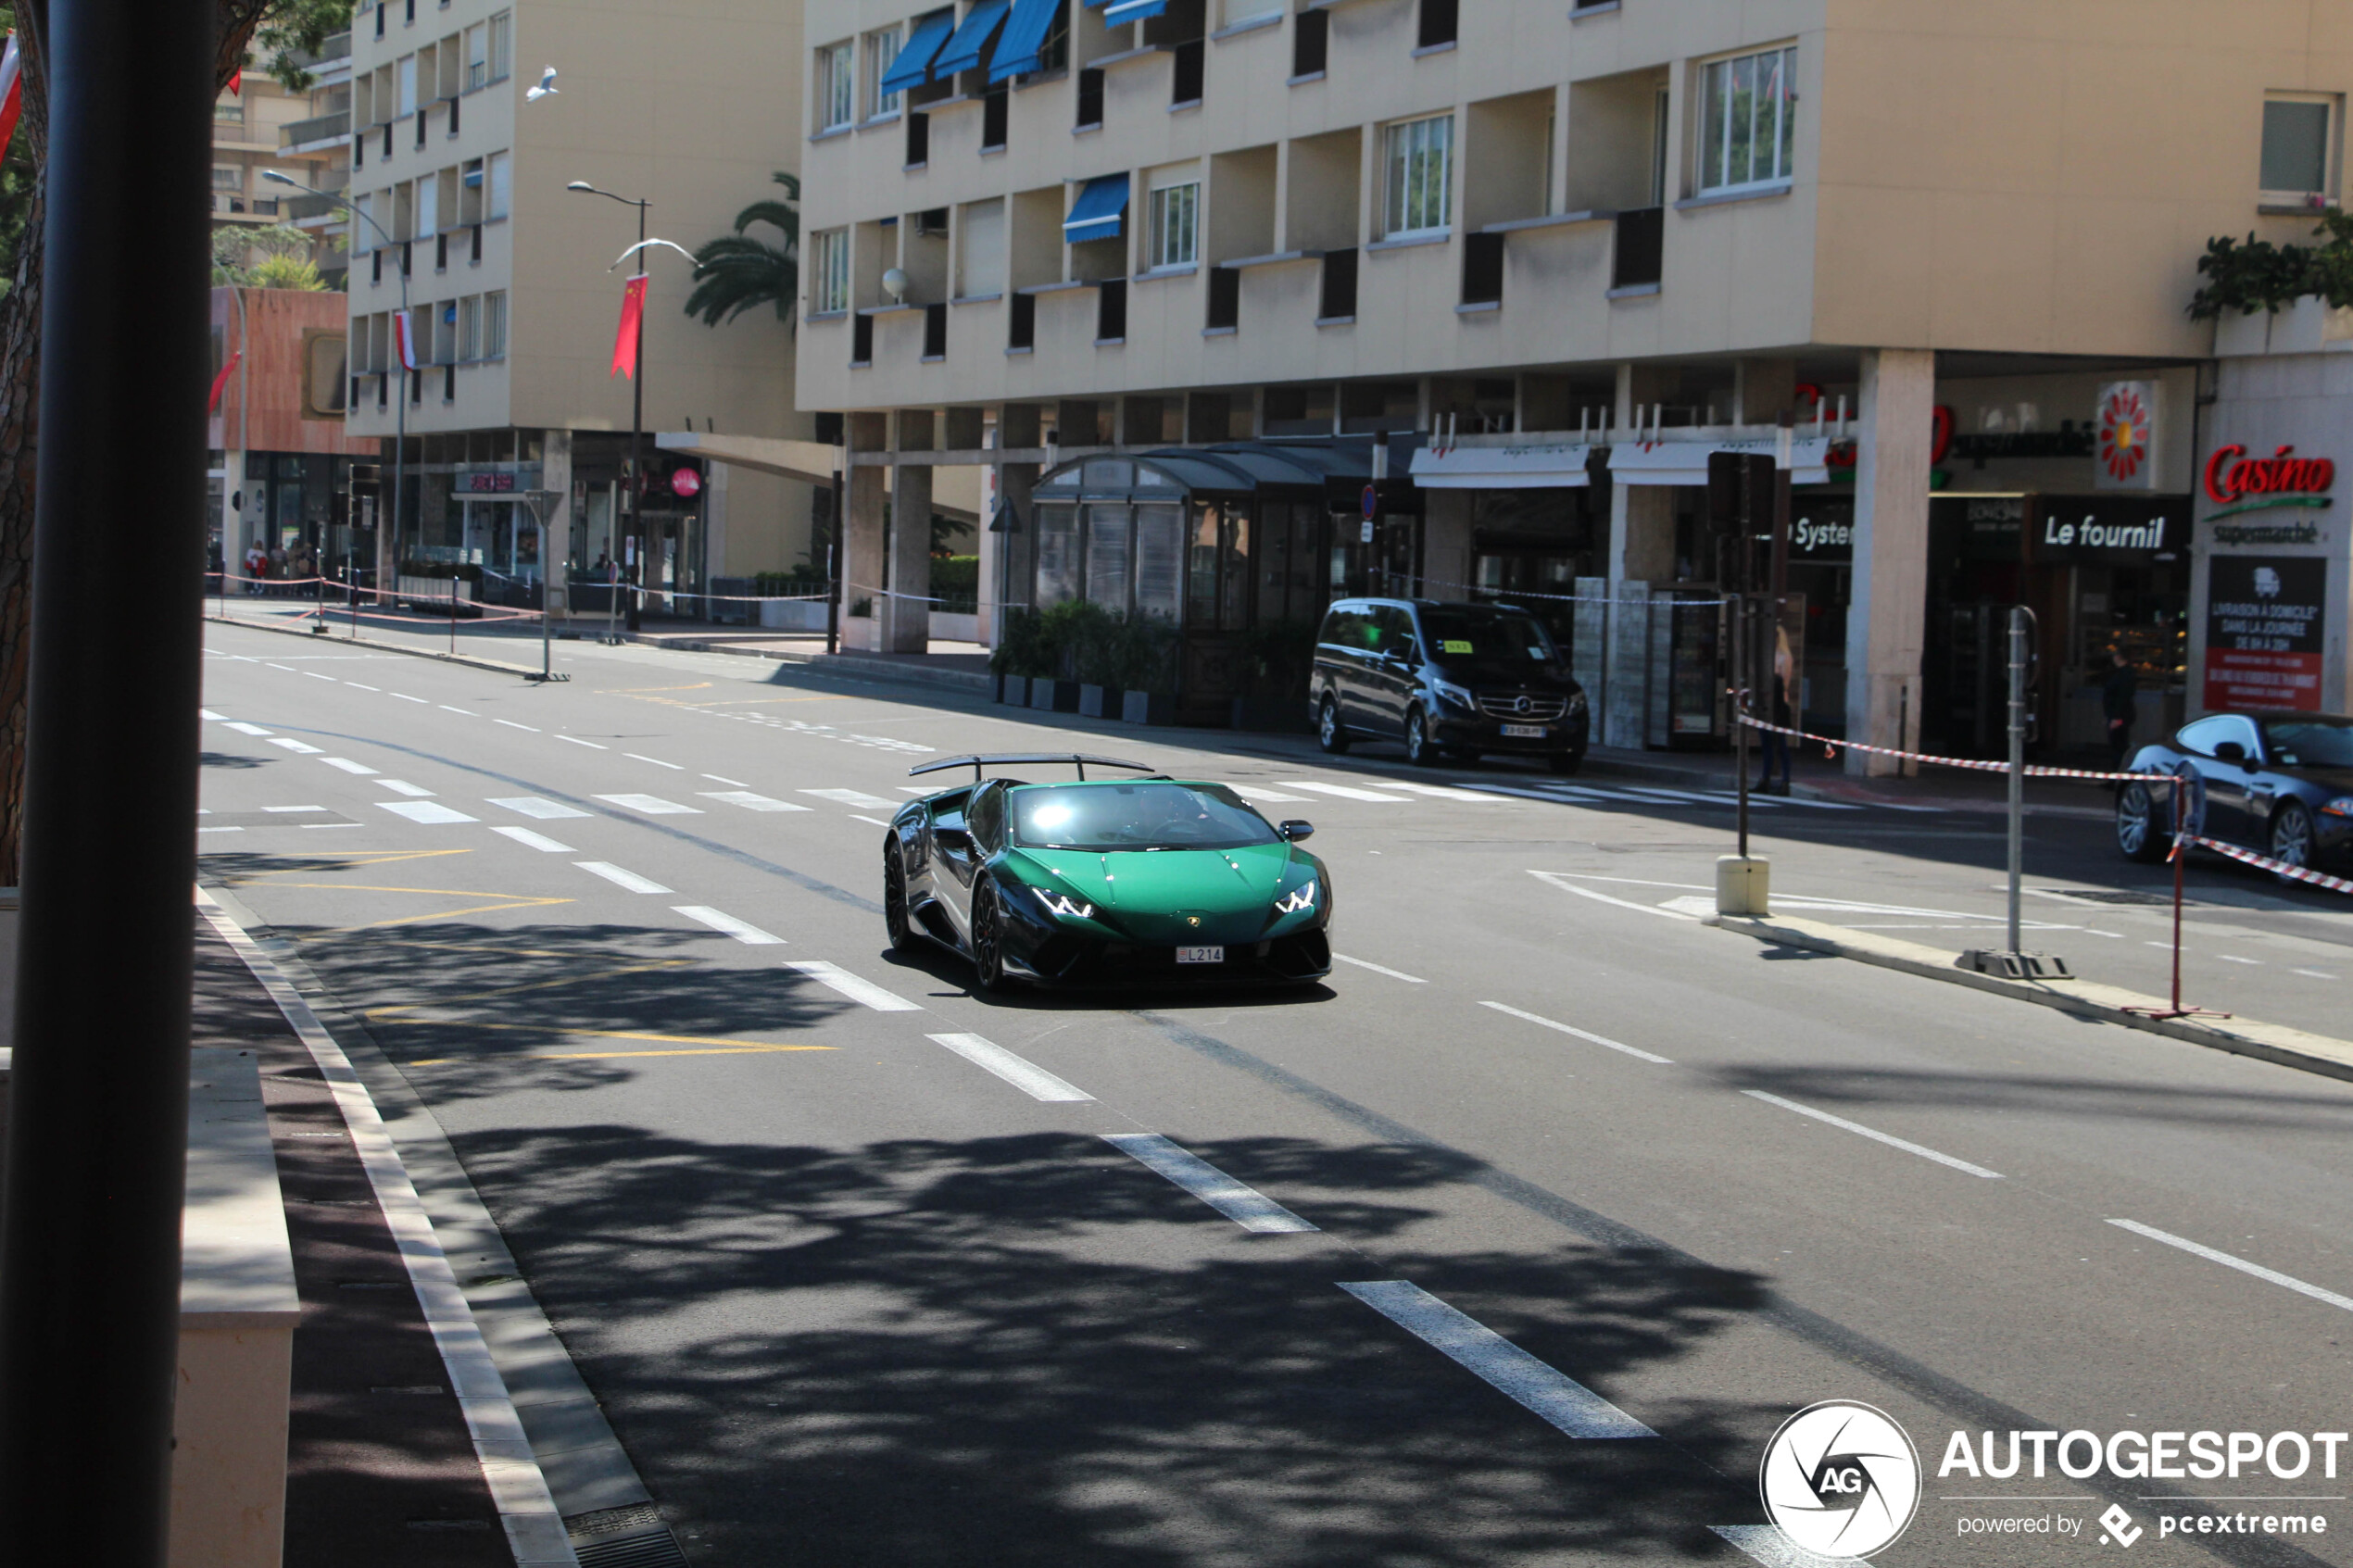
964,50
913,67
1096,213
1024,36
1123,11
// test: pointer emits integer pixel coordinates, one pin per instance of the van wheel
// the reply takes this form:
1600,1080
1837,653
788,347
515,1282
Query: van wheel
1329,735
1421,750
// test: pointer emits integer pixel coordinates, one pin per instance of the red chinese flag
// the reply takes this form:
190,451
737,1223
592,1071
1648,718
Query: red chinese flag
228,368
11,93
632,317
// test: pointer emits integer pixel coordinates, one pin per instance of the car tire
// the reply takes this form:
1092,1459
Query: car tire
1330,733
1421,750
989,940
1566,762
2293,836
2140,828
895,921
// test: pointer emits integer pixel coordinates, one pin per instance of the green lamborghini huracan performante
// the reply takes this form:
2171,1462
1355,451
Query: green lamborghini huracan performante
1137,881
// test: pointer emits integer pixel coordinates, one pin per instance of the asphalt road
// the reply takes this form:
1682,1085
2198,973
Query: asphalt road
853,1296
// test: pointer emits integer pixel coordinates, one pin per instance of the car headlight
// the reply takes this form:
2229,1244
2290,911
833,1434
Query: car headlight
2341,807
1577,702
1064,905
1449,691
1297,898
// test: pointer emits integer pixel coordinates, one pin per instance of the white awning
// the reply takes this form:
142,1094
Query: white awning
1685,462
1503,468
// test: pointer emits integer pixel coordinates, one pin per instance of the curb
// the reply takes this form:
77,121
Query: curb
845,664
2273,1042
493,665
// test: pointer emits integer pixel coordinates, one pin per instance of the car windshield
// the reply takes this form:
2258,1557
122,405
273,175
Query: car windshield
1508,635
2311,743
1137,816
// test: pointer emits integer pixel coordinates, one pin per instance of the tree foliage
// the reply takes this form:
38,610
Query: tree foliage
278,244
2254,275
738,273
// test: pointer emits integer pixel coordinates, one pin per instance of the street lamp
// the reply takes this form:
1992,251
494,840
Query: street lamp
400,408
632,491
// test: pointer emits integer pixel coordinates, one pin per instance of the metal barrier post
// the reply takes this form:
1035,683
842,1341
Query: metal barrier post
2017,768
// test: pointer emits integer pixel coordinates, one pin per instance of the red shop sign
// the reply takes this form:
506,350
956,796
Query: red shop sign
2245,484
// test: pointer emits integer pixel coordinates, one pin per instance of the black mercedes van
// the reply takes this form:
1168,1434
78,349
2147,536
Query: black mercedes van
1462,680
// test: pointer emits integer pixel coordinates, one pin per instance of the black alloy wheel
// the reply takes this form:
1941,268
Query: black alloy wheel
902,934
1329,733
1421,750
989,938
2292,835
2140,831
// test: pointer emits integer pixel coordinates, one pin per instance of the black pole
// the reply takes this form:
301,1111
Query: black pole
97,1149
834,557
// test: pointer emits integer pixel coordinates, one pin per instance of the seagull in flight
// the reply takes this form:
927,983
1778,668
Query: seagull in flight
547,88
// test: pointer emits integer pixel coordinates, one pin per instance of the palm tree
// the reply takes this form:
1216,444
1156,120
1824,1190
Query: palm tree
734,272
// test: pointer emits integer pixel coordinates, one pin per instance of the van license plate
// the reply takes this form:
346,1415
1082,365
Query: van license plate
1201,955
1524,732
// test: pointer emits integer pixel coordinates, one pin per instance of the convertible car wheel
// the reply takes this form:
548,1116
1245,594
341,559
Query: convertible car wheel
2292,835
1329,733
989,939
2140,827
902,936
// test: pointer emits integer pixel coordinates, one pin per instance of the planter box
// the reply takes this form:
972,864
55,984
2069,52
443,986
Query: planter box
946,628
1148,707
1100,702
1053,696
1013,689
793,615
2308,326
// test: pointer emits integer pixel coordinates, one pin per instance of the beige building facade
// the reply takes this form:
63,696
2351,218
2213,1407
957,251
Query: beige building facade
1951,246
512,299
304,135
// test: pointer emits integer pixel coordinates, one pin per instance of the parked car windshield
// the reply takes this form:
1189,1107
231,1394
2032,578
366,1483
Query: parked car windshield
2311,743
1472,631
1137,816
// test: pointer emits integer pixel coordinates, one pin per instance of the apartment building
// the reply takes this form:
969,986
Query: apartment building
304,135
1512,271
513,302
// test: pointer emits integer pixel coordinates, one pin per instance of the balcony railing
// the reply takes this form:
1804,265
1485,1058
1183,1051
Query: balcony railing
301,208
323,127
330,50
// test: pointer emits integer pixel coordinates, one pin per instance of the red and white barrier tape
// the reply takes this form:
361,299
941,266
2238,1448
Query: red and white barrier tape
1973,763
2248,857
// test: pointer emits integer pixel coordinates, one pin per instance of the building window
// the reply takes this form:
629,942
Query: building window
1176,237
494,325
837,86
829,279
407,72
2299,139
1748,127
1439,21
469,327
502,184
230,113
502,46
881,49
228,176
1421,160
477,56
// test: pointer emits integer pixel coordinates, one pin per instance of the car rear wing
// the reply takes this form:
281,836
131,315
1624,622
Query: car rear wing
1007,758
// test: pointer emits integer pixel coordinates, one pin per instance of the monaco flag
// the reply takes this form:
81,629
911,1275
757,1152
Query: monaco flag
632,318
11,93
406,344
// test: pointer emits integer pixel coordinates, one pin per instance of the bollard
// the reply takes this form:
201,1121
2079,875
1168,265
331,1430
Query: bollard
1743,883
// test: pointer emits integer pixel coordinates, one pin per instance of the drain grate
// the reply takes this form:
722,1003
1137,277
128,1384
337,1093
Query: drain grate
624,1537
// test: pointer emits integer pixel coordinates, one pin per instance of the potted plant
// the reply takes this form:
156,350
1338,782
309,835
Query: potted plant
2278,299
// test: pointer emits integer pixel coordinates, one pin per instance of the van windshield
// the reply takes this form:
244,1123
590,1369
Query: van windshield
1508,636
1137,816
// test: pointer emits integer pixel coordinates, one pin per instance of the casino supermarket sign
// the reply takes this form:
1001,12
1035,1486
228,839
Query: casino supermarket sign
2236,482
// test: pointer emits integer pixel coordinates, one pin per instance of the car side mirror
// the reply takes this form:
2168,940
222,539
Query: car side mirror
2230,751
1296,830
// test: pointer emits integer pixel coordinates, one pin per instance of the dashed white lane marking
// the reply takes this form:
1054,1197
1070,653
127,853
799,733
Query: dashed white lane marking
851,797
244,729
1559,1398
531,840
363,687
1246,1206
651,805
1768,1545
2314,973
1345,792
866,992
406,698
1585,1035
629,880
673,767
533,806
466,712
513,725
431,813
1443,792
209,716
875,820
315,676
589,744
1269,796
742,930
1875,1135
221,830
287,667
292,809
2257,1270
348,766
736,783
291,744
402,786
750,801
1021,1073
2234,958
1380,969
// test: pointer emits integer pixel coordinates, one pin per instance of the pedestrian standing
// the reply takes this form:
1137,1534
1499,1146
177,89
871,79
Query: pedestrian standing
2120,704
1776,744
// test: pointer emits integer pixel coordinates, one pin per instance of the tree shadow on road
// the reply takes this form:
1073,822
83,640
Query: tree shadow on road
2019,1094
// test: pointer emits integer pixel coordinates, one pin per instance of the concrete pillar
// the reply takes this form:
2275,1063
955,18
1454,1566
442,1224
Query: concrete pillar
864,501
1446,543
1763,390
904,617
1019,428
1886,622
